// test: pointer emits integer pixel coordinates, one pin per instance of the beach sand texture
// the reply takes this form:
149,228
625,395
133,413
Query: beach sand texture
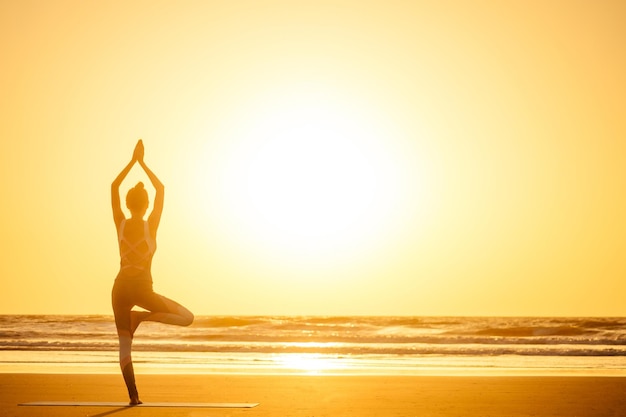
318,396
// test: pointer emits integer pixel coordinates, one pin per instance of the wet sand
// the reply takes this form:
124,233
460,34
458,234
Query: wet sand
316,396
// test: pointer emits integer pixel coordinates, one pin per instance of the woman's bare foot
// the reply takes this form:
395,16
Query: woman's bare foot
135,401
136,317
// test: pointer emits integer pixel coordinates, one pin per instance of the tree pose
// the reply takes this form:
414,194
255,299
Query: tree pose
133,285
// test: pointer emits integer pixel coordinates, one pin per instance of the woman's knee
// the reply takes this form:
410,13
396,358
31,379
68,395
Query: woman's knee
187,315
184,316
191,317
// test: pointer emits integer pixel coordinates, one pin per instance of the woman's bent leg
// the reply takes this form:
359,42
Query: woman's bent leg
163,310
175,314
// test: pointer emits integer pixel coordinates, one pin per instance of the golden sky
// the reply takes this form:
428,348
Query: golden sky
320,157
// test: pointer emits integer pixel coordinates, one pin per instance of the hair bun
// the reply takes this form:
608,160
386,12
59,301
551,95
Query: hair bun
137,197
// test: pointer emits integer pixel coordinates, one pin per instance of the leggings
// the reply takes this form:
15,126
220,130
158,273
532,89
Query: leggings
128,293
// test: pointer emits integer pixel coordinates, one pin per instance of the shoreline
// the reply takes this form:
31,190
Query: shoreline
223,363
304,396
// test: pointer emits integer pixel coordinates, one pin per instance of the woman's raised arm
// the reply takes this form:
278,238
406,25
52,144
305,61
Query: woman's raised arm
155,216
118,214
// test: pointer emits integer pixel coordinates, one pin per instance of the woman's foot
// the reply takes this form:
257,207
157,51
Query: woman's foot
135,401
136,317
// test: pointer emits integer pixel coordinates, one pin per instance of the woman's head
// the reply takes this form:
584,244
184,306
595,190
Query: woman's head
137,199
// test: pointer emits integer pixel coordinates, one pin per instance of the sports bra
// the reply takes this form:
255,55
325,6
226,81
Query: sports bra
136,256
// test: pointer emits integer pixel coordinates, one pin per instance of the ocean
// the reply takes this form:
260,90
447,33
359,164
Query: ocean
321,345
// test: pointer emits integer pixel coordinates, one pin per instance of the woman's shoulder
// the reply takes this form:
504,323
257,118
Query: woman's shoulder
133,226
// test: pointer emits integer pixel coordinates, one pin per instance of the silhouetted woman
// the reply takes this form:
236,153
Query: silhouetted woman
133,285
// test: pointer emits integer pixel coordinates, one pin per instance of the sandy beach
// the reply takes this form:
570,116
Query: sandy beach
309,396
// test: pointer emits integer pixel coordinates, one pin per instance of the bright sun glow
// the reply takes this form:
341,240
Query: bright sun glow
310,175
310,363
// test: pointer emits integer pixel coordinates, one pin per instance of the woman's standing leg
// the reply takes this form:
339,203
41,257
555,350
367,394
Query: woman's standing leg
122,311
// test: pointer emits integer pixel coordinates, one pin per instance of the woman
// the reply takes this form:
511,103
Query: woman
133,285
